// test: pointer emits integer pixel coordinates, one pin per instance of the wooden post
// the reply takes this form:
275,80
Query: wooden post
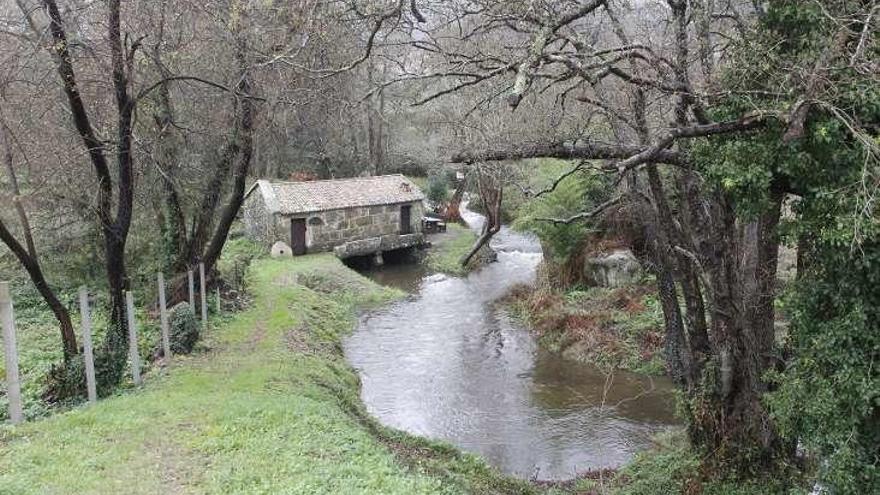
163,318
88,352
13,383
203,295
133,354
192,295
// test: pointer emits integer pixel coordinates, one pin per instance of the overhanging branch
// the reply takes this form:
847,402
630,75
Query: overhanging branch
583,150
630,156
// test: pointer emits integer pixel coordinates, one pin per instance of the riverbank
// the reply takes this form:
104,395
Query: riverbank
619,328
447,249
272,407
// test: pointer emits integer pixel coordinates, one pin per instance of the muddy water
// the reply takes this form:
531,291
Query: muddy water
450,364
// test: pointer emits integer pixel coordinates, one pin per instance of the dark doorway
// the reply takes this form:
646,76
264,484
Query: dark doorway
298,236
406,219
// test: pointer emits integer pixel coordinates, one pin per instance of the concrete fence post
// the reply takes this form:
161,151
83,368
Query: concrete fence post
204,296
192,291
88,351
217,300
13,383
134,355
163,318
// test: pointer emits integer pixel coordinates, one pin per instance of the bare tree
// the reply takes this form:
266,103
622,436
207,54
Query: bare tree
27,255
642,96
491,191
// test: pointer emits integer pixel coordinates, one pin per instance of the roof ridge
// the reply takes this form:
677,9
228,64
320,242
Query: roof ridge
344,179
306,196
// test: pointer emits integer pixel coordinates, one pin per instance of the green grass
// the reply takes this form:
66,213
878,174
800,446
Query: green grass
39,343
672,467
448,249
39,346
271,408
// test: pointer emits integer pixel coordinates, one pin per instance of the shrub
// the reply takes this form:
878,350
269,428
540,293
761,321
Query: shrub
237,256
438,188
576,193
184,329
65,381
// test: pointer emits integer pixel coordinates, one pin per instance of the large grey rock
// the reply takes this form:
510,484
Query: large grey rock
281,250
615,269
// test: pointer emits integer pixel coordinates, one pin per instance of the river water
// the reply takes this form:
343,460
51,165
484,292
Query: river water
448,363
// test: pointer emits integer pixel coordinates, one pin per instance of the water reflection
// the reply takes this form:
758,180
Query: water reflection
447,363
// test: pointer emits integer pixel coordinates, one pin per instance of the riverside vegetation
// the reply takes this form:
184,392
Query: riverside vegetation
620,328
270,407
617,328
704,135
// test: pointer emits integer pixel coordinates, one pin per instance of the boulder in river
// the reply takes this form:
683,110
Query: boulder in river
615,269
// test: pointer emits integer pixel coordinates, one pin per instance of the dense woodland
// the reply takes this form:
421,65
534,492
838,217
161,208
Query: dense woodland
705,134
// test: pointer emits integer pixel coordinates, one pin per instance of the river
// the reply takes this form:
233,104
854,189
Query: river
449,363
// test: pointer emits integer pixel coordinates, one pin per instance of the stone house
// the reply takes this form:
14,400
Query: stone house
352,217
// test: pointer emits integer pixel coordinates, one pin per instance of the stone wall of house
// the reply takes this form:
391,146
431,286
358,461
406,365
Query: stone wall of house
257,221
327,229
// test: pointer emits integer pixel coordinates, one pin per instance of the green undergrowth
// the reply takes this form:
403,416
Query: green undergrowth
448,248
39,343
672,467
270,407
619,328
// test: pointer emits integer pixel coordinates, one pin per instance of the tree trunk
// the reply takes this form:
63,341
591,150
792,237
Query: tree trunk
29,258
35,272
116,339
452,211
204,221
491,195
114,228
245,138
168,143
240,150
729,419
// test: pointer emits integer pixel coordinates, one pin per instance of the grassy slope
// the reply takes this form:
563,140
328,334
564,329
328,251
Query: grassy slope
272,408
448,249
37,331
39,345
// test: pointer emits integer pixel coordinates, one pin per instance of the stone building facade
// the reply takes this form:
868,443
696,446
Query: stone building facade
352,217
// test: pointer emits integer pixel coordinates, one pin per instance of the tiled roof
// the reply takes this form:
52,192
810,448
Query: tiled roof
305,197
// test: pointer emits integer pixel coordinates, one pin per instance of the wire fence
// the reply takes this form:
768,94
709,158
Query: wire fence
11,356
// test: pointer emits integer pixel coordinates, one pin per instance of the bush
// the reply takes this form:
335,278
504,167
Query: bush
66,381
828,397
574,194
236,258
184,329
438,188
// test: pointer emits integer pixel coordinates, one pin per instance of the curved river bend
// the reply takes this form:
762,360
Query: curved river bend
448,364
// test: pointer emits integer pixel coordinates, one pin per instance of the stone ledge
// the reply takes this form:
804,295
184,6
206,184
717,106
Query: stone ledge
374,245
